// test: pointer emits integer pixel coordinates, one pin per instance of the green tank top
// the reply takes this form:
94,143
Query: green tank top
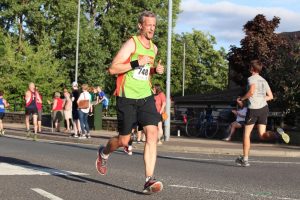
137,82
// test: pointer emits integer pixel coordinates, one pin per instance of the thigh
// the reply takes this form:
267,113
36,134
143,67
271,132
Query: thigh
263,115
147,113
126,115
251,117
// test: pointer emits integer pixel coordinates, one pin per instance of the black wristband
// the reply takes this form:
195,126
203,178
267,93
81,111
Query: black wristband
134,64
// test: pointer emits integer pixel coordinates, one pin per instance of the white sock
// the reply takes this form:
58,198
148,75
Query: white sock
105,156
246,158
148,178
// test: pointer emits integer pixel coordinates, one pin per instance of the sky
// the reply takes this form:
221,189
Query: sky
224,19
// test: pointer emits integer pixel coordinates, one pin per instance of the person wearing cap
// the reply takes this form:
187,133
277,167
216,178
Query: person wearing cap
75,116
57,109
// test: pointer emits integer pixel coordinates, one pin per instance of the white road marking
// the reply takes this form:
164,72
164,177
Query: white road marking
231,192
15,169
229,160
46,194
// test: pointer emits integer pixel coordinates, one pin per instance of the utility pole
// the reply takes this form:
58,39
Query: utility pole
77,42
168,103
183,69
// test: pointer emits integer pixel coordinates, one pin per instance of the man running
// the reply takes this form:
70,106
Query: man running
135,102
258,94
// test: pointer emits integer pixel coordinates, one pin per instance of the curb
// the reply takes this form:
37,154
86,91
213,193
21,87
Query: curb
167,147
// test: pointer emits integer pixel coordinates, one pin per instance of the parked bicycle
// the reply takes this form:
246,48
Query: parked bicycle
203,125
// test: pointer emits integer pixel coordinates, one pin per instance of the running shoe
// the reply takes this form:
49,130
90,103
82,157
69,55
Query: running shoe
226,139
128,150
285,137
88,136
101,163
152,186
34,138
28,133
241,162
83,136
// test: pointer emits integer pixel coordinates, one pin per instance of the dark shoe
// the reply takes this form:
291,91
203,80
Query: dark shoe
152,186
241,162
101,163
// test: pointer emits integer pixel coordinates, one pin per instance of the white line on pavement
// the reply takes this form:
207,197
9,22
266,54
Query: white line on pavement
231,192
228,160
46,194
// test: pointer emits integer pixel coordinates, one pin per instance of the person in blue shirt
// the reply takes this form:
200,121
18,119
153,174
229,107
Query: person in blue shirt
3,104
103,99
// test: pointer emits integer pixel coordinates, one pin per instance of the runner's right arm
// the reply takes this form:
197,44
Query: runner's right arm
119,64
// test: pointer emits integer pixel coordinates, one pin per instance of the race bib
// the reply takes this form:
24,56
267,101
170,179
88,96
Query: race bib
142,73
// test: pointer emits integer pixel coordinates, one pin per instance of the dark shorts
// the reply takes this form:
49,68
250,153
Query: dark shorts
131,112
2,114
75,115
31,111
58,115
257,116
242,123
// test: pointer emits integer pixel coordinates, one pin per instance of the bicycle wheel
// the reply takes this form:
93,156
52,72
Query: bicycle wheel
211,129
193,128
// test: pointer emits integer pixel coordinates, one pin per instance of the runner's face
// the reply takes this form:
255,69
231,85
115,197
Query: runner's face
147,28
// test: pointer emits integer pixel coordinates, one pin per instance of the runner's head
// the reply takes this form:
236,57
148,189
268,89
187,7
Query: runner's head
255,66
147,24
31,87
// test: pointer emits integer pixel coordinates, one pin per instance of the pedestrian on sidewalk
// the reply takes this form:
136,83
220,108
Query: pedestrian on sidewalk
104,100
75,116
240,114
160,103
84,104
3,104
68,110
40,111
133,65
259,93
32,97
57,110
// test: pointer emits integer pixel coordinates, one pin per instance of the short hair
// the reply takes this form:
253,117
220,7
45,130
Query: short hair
56,94
157,88
145,13
1,93
85,87
256,65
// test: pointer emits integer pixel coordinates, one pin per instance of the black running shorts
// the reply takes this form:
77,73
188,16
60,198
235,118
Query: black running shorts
257,116
2,114
31,111
132,111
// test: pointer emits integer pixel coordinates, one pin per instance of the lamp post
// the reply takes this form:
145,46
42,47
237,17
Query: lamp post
168,93
183,69
77,42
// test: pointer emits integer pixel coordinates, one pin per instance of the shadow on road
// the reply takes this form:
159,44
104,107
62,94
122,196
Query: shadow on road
69,177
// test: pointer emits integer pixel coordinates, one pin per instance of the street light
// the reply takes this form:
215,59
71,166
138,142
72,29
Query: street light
183,69
77,41
168,92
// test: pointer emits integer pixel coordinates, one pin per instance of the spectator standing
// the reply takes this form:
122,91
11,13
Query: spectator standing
160,103
31,99
68,110
103,99
40,111
84,104
3,104
57,109
75,116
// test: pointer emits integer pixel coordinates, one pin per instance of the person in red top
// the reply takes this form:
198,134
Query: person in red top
160,103
39,106
32,97
57,109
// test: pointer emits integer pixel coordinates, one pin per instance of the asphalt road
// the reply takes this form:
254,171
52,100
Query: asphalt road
53,170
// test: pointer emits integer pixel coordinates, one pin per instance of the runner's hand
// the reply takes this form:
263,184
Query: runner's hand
160,68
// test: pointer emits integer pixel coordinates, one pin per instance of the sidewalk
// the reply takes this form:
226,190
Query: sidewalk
176,144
